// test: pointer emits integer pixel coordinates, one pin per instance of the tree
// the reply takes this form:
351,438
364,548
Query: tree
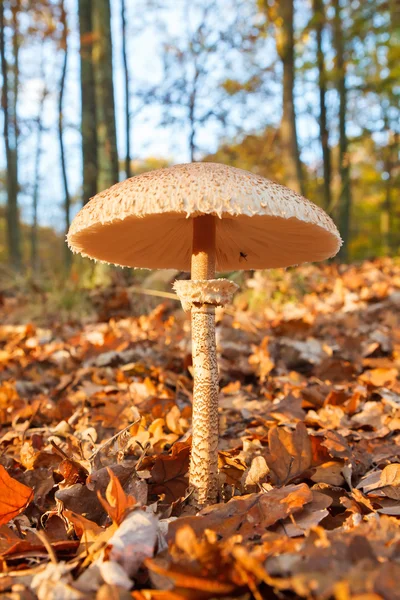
9,103
38,153
260,153
319,19
67,198
126,90
107,154
88,102
195,67
344,156
377,67
285,48
281,14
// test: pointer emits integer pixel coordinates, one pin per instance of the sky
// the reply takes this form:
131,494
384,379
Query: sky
148,138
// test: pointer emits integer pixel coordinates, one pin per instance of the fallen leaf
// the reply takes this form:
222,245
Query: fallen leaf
134,540
116,503
390,475
169,473
247,515
290,453
380,377
14,497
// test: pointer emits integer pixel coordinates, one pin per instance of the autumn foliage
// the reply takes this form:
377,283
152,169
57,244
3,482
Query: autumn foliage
95,440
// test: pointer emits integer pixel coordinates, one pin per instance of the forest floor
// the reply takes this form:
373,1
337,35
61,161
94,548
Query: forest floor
95,437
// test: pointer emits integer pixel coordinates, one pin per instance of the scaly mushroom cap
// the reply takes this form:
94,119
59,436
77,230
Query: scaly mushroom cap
146,221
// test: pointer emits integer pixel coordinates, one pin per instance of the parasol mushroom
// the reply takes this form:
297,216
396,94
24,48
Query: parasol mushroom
203,218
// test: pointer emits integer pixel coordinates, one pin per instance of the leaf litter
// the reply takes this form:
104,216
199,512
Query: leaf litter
95,440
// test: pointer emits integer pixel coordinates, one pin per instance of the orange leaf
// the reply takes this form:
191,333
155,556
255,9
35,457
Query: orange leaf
14,496
380,377
116,503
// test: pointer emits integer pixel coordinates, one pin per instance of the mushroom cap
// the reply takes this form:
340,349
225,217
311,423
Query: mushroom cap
146,221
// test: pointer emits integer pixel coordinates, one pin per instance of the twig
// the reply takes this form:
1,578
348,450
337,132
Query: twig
110,440
43,538
147,292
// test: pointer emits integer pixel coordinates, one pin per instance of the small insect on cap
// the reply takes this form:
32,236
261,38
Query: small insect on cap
146,221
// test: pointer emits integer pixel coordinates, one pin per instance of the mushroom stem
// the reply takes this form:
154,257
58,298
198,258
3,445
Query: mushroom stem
203,248
203,473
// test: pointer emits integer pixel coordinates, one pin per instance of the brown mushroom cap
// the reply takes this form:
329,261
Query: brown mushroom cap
146,221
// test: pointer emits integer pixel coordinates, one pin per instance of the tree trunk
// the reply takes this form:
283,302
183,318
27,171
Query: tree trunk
36,185
88,123
285,48
128,159
107,154
344,160
387,206
320,21
67,198
9,104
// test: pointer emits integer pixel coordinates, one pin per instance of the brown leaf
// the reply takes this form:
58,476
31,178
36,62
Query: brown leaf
72,471
290,453
247,515
390,475
80,500
183,579
308,517
85,528
116,502
330,472
336,445
169,473
14,496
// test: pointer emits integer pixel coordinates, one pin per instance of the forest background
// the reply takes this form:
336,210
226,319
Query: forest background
303,92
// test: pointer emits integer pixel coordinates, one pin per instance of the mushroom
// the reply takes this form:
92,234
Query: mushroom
203,218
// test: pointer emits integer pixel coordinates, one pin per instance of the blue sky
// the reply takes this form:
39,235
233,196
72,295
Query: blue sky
147,137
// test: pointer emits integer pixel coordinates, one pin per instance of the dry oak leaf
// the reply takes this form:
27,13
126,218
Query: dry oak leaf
14,496
169,473
247,515
290,453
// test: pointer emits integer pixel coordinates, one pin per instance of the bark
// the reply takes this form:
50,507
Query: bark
320,22
128,158
36,185
88,123
9,102
387,206
344,160
285,48
67,198
107,155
